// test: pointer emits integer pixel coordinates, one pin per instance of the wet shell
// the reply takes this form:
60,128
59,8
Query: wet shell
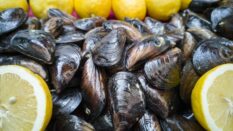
156,27
104,122
141,26
87,24
36,44
70,37
201,34
33,23
54,26
163,72
225,27
127,100
67,61
5,40
201,5
68,19
188,45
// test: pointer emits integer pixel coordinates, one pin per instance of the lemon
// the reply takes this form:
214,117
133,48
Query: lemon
212,99
185,4
6,4
88,8
40,7
25,100
129,8
162,9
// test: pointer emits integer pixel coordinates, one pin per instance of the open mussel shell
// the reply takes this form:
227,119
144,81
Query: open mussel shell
201,34
177,122
155,26
132,33
93,89
148,122
25,62
109,50
67,19
147,48
71,123
188,45
161,102
201,5
67,101
127,100
36,44
67,61
163,72
141,26
188,80
212,53
54,26
70,37
225,27
104,122
87,24
11,19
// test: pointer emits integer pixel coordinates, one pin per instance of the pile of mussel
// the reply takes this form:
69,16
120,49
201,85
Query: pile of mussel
120,75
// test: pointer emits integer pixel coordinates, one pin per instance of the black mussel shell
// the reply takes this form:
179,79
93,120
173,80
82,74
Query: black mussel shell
67,101
87,24
201,5
141,26
68,19
93,89
68,28
54,26
179,123
11,19
33,23
188,80
148,122
218,14
225,27
211,53
26,62
5,40
67,61
109,50
188,45
147,48
71,123
161,102
127,100
36,44
163,72
70,37
201,34
155,26
132,33
104,123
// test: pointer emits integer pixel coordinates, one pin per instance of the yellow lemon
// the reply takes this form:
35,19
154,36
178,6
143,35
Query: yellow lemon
185,4
129,8
40,7
212,99
162,9
25,100
6,4
88,8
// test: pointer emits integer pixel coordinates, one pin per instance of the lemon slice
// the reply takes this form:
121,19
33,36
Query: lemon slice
25,100
212,99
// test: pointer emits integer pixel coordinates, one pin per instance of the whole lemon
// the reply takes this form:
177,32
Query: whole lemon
6,4
88,8
40,7
129,8
162,9
185,4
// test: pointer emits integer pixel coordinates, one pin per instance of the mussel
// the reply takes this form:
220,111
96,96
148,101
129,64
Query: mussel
142,27
36,44
93,89
127,100
5,40
147,48
11,19
201,5
67,61
33,23
163,72
109,50
87,24
225,27
104,122
155,26
201,34
54,26
67,19
188,45
70,37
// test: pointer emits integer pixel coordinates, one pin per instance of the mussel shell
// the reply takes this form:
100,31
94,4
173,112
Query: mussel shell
104,123
33,23
5,40
70,37
226,3
188,80
87,24
127,100
68,28
67,61
11,19
155,26
26,62
54,26
210,54
202,5
147,48
36,44
109,50
68,19
141,26
188,45
163,72
161,102
148,122
67,101
225,27
179,123
201,34
93,89
132,33
71,123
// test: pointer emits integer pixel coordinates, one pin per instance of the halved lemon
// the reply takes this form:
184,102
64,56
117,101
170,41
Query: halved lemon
25,100
212,99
